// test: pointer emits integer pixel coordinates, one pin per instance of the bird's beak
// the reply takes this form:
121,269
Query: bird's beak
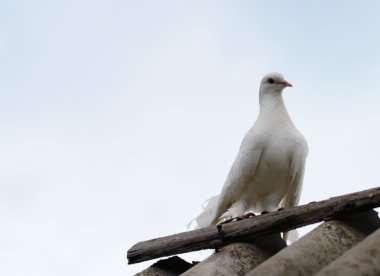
284,83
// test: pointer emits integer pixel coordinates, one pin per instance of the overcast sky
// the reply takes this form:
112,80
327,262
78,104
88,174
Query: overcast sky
120,118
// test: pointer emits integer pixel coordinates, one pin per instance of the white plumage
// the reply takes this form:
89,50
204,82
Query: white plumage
269,168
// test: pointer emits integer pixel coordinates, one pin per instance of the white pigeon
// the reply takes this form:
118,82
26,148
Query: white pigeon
269,168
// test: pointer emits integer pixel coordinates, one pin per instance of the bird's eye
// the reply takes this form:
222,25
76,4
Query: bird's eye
270,80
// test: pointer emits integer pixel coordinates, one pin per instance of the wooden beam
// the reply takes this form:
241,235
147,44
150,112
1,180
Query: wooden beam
247,229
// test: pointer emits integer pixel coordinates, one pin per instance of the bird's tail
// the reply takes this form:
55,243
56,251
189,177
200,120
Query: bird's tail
205,218
290,236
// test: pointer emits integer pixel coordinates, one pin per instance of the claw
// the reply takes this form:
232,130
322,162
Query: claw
249,215
231,219
227,220
265,212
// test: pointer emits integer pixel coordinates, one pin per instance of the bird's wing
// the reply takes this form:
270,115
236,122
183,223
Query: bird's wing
297,170
293,192
241,173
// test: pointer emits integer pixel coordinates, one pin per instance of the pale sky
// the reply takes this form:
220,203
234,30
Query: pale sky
120,118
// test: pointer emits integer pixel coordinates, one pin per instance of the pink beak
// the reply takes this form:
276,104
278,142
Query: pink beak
285,83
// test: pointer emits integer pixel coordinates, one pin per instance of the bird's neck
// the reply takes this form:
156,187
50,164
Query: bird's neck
272,106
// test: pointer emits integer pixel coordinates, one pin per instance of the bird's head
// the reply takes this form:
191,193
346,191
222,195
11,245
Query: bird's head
274,82
271,87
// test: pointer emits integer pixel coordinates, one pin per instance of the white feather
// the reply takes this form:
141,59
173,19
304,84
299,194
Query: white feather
269,167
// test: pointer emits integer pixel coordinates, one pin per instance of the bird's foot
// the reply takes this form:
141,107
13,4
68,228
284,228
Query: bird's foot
245,216
265,212
281,209
226,220
231,219
248,215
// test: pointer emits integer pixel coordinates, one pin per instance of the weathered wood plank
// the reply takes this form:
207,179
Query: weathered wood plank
260,225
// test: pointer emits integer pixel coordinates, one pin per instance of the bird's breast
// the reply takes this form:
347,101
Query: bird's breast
272,175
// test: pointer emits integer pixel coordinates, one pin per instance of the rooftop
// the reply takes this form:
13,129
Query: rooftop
346,243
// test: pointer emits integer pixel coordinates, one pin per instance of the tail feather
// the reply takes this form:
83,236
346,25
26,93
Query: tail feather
291,236
204,219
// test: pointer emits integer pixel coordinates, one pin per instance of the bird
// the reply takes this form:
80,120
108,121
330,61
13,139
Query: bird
268,171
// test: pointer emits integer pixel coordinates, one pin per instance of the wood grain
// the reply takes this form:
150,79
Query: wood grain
247,229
